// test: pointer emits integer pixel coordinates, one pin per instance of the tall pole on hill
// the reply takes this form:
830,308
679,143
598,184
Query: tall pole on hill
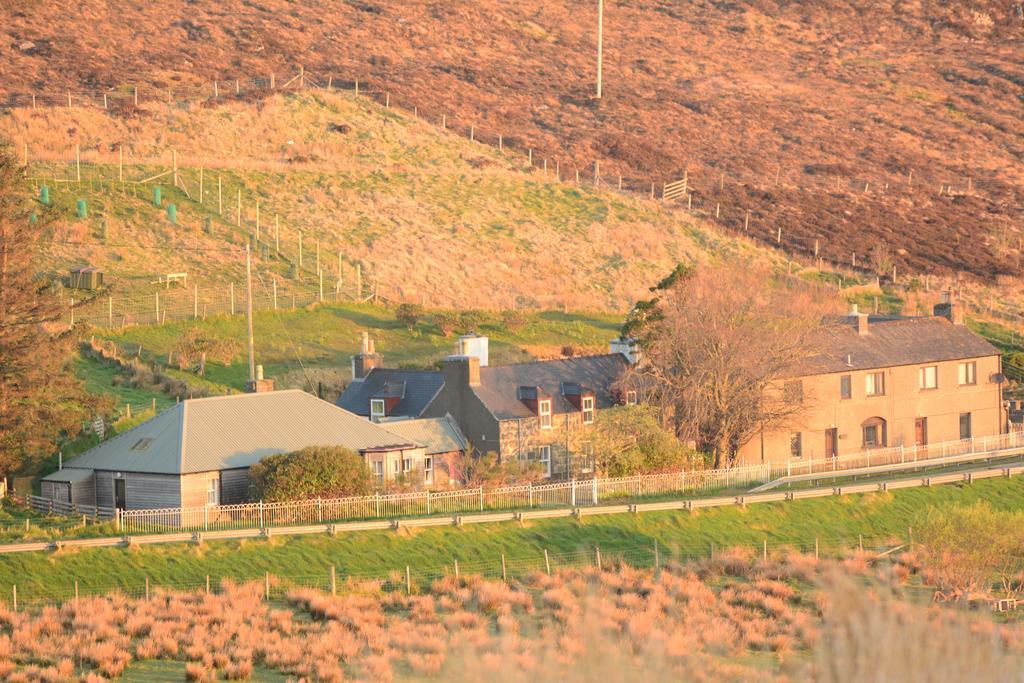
248,316
600,43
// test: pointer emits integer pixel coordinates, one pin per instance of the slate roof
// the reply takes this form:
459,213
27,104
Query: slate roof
438,434
499,384
225,432
417,388
891,342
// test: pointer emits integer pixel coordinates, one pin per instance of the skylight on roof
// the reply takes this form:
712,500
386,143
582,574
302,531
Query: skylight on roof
142,444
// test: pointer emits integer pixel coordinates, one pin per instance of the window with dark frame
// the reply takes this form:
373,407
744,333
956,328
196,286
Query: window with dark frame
845,387
796,446
966,431
928,377
967,373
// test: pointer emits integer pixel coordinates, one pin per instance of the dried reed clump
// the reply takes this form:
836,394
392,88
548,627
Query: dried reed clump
698,622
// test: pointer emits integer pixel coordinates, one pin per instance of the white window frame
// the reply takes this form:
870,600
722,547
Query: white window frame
928,377
631,397
428,469
967,373
846,380
544,413
544,455
397,466
406,465
378,470
873,387
213,492
588,409
375,403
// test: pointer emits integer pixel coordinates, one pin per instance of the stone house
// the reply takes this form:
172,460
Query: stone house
539,411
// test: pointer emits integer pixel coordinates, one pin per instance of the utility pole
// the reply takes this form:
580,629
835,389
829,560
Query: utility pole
248,316
600,43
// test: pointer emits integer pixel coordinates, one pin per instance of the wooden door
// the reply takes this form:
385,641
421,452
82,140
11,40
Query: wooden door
120,499
921,431
831,442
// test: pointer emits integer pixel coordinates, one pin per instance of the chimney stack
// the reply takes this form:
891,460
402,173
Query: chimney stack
367,359
860,320
627,347
462,371
948,307
473,344
259,385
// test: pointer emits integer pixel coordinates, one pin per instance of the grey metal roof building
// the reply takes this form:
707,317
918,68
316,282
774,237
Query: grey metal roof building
437,434
229,432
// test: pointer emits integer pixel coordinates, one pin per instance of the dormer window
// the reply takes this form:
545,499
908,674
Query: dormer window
588,410
376,409
544,413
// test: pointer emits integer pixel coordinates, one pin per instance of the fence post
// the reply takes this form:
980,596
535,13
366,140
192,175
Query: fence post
764,551
76,590
376,501
860,542
261,514
147,588
529,487
266,586
207,584
504,574
595,490
456,569
910,537
547,562
481,498
815,547
408,580
428,501
14,597
657,556
334,581
206,518
320,510
117,519
572,491
597,556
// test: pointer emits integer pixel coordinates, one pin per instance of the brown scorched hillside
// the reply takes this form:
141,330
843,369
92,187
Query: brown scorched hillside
854,123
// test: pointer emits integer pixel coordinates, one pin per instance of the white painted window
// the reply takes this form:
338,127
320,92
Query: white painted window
213,492
966,373
545,459
397,467
928,377
588,410
376,408
378,470
544,411
406,465
874,384
428,470
631,397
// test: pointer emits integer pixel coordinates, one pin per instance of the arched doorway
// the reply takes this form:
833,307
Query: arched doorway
873,433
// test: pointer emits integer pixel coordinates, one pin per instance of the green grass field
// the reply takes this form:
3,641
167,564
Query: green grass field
430,551
291,342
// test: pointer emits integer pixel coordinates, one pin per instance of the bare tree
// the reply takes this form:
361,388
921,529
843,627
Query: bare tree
720,346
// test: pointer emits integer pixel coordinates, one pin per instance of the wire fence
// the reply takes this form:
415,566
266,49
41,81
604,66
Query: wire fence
417,578
704,194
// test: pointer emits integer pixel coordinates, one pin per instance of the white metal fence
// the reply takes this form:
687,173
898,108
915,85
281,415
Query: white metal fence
575,493
899,455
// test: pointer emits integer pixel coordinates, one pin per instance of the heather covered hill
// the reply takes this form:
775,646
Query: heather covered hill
838,121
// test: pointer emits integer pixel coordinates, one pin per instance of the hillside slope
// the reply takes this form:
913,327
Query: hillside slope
839,121
430,216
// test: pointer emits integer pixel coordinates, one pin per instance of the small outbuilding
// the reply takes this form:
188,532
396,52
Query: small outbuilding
85,277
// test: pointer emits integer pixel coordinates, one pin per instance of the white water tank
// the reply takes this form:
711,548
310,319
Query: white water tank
473,345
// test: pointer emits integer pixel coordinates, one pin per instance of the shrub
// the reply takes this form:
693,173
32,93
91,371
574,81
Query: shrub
630,439
446,322
314,471
513,320
409,314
